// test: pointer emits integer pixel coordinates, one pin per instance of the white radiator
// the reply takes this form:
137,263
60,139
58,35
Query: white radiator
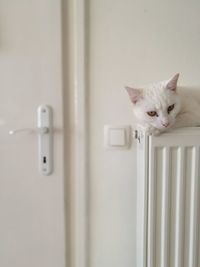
168,199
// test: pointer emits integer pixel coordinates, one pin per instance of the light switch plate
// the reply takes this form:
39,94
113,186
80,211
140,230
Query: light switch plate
117,137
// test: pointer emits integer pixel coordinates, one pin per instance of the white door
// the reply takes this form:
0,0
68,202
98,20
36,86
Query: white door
32,220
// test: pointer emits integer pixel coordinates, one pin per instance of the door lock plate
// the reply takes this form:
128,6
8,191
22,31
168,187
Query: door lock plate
45,139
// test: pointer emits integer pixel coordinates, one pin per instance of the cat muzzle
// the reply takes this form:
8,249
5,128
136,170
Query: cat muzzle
165,124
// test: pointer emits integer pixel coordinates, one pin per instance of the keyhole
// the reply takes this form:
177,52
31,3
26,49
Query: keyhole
44,160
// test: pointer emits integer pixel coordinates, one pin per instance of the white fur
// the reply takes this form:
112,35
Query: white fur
158,97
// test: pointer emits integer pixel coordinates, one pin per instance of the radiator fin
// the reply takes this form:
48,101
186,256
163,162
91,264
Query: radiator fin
173,206
193,224
179,200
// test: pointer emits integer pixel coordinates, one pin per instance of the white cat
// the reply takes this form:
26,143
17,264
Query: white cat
161,106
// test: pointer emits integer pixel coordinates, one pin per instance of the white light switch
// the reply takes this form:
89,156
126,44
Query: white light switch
117,136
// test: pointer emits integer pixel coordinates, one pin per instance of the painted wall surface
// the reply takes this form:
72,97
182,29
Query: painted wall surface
130,43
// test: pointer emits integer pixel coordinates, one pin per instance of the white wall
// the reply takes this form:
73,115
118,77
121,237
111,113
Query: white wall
130,43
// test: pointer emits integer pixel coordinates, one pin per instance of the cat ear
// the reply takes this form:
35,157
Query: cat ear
134,94
172,83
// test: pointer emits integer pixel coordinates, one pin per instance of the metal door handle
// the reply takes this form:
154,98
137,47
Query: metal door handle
45,138
41,130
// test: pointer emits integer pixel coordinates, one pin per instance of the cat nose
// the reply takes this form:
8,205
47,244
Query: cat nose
165,124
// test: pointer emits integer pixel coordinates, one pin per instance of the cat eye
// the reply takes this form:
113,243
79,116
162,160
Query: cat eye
152,113
170,108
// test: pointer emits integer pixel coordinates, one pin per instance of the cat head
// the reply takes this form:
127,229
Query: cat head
156,105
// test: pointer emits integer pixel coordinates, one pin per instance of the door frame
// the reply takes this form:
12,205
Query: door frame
75,105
